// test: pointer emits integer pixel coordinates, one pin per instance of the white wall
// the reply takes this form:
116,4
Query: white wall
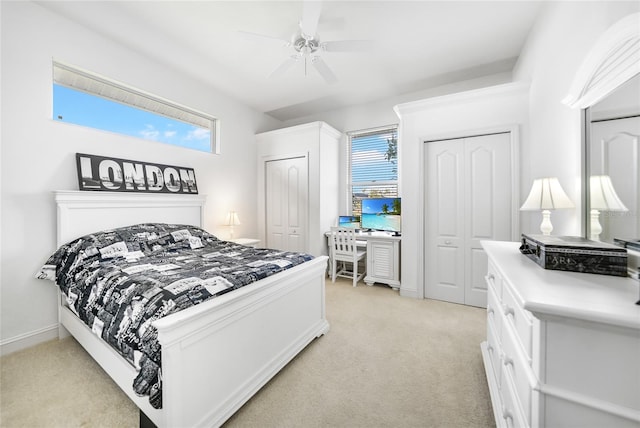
561,39
38,154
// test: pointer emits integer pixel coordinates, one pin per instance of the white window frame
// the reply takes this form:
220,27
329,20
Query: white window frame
94,84
350,183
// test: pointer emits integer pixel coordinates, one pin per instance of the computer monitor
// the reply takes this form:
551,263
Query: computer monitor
382,214
352,221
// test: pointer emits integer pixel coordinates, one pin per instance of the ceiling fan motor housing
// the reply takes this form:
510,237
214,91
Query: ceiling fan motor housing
306,45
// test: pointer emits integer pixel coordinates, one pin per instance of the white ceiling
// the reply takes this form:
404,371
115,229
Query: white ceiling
416,45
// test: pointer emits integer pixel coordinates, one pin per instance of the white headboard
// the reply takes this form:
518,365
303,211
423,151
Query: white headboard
80,213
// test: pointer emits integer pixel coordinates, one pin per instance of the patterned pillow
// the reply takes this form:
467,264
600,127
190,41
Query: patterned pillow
129,242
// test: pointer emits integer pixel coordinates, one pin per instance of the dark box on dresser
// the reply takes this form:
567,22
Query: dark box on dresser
633,255
575,254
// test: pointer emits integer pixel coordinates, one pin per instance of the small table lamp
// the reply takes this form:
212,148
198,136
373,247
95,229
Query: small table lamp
603,197
232,220
546,194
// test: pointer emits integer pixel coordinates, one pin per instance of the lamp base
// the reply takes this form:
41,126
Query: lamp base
596,227
546,227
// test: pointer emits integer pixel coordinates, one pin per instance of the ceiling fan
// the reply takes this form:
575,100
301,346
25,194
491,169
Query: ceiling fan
307,46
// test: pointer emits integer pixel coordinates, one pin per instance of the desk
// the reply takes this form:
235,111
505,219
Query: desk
383,257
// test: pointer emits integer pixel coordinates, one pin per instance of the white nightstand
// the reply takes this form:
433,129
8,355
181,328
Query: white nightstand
249,242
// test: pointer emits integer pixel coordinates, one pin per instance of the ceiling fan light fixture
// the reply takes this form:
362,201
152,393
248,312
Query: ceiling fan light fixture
305,46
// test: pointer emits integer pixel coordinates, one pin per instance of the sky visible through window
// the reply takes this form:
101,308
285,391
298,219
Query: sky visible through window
369,161
374,170
80,108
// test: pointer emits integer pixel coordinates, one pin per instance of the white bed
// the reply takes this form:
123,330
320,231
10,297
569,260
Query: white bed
244,337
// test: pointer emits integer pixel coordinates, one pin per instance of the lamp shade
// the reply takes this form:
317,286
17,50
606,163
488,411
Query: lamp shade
546,194
232,219
603,195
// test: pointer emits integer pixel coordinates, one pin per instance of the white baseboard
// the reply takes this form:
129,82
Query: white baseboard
408,293
29,339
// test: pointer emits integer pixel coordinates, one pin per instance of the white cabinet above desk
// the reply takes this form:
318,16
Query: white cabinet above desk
383,257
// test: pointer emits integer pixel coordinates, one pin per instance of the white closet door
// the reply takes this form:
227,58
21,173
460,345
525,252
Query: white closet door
286,204
468,199
444,211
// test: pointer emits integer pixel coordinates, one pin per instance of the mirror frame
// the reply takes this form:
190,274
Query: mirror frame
614,59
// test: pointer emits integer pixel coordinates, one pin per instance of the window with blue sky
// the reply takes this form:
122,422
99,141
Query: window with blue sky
374,168
89,100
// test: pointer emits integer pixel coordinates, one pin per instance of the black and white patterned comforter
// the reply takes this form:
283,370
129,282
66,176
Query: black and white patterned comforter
119,281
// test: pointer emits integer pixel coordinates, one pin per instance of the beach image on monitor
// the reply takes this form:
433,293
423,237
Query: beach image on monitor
381,214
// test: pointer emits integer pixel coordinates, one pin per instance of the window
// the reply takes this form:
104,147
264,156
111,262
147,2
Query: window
84,98
373,165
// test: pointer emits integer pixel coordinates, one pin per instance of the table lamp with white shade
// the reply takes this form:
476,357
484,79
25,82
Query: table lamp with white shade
546,194
232,220
603,197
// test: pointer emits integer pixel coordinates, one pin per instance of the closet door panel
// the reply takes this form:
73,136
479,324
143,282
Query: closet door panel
445,226
274,215
286,199
296,205
467,200
488,206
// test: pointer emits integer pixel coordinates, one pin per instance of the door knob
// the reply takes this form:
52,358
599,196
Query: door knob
447,242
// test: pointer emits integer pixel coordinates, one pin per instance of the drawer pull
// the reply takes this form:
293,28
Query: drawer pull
508,361
491,277
508,310
490,310
490,348
506,414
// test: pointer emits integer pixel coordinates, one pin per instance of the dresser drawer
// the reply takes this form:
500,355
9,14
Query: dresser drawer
516,318
494,279
494,350
494,311
511,412
517,372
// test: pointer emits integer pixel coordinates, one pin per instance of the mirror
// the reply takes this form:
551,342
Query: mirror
612,162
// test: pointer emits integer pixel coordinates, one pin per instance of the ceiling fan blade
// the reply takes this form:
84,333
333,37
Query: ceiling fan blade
348,46
310,16
282,68
324,70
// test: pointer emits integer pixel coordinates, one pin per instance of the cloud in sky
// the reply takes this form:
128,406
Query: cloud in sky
199,134
150,133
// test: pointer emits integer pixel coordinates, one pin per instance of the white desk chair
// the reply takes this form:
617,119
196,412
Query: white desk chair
343,249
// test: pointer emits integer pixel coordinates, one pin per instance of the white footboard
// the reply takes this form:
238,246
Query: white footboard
216,355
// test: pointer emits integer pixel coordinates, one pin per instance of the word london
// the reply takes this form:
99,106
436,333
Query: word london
122,175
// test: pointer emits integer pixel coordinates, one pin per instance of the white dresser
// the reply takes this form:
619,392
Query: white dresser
562,349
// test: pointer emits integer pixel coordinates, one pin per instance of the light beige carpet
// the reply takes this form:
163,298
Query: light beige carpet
386,362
